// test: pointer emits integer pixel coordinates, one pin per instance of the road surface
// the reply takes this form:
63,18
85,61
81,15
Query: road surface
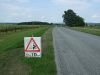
76,53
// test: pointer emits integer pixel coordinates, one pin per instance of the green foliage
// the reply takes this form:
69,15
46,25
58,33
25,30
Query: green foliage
71,19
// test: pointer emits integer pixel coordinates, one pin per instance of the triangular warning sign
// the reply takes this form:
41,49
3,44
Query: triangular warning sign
32,46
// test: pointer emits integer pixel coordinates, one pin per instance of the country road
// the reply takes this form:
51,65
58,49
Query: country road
76,53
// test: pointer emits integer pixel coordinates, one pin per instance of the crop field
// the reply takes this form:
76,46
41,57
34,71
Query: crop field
9,28
12,60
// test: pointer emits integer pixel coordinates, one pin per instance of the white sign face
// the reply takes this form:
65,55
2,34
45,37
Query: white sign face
32,46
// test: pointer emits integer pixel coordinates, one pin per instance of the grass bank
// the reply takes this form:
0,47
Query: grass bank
45,65
90,30
13,62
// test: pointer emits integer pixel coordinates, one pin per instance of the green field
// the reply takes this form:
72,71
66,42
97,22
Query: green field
91,29
12,60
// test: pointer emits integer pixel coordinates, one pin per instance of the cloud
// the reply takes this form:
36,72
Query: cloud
15,11
14,1
84,8
70,2
23,1
96,1
49,10
74,1
76,5
95,16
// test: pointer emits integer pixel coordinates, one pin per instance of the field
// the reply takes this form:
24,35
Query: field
89,29
5,28
12,60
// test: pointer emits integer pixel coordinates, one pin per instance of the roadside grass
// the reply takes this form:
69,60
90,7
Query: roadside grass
13,62
10,63
45,65
90,30
11,48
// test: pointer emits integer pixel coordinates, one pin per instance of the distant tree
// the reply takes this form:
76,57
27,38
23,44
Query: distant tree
71,19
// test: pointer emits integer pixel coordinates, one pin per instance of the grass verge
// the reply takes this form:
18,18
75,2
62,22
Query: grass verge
13,62
46,64
93,30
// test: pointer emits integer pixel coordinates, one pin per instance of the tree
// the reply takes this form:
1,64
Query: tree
71,19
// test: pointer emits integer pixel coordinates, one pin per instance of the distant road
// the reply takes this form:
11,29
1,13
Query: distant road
76,53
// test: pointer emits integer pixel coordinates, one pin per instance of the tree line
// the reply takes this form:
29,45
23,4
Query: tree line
34,23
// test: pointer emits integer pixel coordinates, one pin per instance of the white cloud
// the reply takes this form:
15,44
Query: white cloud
74,1
22,1
15,1
95,16
13,12
23,10
84,8
79,5
97,1
64,2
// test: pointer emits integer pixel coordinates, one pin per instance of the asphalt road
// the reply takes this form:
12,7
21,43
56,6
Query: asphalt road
76,53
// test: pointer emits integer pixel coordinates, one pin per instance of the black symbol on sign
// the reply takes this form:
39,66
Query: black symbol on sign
34,46
35,54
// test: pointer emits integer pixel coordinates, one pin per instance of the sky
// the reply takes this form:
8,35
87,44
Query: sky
48,10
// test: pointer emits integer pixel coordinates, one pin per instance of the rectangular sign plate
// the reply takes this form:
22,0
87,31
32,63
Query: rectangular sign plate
32,46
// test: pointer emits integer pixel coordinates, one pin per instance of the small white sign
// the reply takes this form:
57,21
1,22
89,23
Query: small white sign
32,46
